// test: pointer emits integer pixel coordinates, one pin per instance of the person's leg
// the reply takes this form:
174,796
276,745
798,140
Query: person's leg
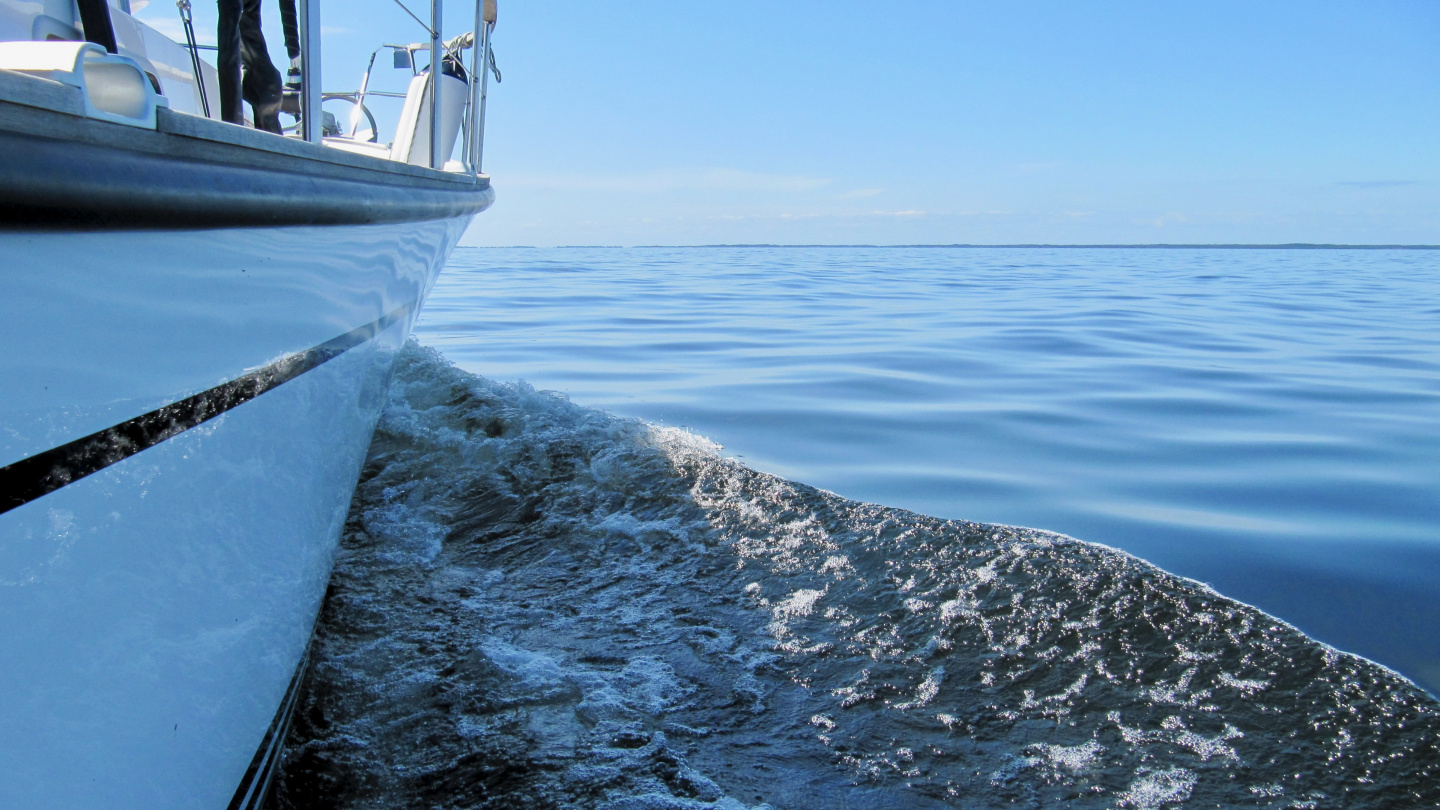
290,24
227,62
262,81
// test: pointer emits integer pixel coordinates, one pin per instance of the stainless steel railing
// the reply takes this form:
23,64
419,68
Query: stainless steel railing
312,126
485,14
480,66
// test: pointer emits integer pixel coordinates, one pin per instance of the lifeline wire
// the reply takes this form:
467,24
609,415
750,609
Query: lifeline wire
185,19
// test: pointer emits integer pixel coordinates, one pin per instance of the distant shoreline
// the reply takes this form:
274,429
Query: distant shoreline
1285,246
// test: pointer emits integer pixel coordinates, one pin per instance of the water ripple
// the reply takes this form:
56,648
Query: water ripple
1215,412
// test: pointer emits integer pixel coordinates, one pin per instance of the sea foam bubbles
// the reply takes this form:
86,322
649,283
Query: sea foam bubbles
542,605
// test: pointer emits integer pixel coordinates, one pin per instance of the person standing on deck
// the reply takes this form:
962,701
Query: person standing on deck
241,43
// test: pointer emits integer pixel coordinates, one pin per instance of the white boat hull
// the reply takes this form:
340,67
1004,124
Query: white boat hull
154,613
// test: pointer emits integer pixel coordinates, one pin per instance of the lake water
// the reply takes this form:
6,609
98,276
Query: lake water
1265,421
762,550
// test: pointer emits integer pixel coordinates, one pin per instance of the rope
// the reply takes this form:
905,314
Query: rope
184,6
423,24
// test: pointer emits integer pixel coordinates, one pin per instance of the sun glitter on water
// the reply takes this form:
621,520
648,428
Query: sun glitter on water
542,605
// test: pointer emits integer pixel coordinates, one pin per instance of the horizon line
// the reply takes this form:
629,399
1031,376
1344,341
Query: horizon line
1110,246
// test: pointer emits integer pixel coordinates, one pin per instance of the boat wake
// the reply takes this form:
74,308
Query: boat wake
542,605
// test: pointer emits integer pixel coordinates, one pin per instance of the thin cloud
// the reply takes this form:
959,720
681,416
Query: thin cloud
847,215
1161,221
861,193
672,180
1375,183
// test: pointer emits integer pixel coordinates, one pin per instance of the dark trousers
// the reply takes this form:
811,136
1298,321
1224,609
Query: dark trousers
242,43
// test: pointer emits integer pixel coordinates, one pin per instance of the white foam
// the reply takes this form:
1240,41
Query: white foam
617,616
1156,789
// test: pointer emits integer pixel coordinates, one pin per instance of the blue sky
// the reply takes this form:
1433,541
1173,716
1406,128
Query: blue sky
938,122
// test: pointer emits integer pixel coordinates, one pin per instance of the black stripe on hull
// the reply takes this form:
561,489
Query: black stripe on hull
255,785
43,473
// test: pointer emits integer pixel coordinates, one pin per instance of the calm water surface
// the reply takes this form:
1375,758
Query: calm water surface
1266,421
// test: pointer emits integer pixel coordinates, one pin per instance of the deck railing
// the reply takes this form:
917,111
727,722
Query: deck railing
480,61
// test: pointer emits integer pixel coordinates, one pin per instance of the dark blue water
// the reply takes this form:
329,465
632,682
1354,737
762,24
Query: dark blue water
1266,421
543,603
